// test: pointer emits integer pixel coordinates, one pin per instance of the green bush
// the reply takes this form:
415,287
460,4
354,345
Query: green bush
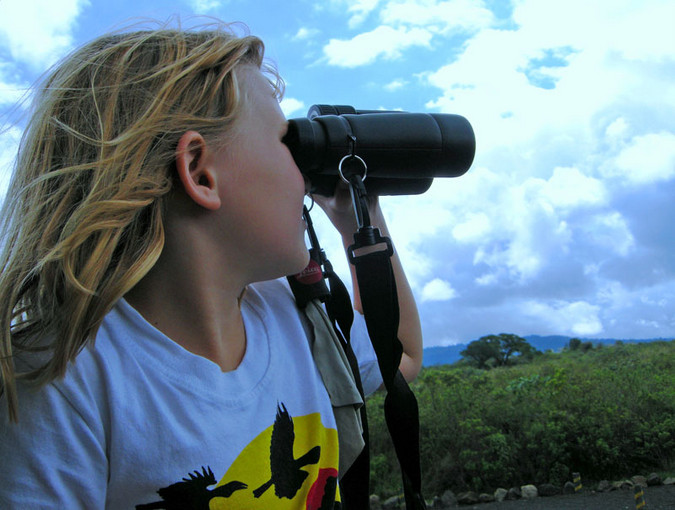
606,413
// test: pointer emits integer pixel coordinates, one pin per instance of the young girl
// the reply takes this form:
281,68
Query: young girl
150,355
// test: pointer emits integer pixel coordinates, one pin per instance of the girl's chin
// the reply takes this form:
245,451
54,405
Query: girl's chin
302,264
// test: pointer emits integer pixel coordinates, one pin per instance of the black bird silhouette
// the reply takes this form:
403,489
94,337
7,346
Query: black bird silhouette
287,475
328,500
192,493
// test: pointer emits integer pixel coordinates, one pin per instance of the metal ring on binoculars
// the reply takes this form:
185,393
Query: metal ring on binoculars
311,197
352,156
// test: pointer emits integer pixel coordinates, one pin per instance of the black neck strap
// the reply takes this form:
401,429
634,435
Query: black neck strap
371,256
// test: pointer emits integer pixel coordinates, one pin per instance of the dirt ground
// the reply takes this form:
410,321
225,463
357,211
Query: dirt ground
661,497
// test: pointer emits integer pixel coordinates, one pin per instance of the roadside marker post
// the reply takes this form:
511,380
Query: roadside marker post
576,479
640,503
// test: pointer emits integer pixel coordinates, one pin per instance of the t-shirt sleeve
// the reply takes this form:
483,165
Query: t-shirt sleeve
52,458
365,354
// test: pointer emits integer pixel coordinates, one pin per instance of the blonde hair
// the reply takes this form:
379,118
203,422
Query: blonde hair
82,221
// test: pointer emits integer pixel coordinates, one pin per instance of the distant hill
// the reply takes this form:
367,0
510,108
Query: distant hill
442,355
450,354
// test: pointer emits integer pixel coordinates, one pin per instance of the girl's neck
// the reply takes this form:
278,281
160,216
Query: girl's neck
194,306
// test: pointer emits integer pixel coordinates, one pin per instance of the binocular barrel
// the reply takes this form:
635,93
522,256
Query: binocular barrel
403,152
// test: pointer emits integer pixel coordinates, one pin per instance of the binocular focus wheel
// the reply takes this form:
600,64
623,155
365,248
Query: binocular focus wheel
318,110
352,156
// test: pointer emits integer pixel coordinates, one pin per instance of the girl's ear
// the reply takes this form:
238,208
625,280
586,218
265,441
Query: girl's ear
195,170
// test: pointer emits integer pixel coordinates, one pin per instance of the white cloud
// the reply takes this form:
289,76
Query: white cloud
413,219
13,87
404,24
9,143
445,16
395,85
561,317
648,158
488,84
49,25
34,34
304,33
448,340
203,6
360,9
365,48
486,279
473,229
438,290
11,93
610,232
518,228
617,130
632,28
568,187
411,222
541,146
613,294
290,106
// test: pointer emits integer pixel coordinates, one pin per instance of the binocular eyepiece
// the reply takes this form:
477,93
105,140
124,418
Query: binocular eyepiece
396,153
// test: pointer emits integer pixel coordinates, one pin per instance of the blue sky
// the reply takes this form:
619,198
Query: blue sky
563,225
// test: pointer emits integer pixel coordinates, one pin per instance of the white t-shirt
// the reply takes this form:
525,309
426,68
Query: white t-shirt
139,420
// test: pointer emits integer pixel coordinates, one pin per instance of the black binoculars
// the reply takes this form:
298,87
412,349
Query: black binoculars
396,153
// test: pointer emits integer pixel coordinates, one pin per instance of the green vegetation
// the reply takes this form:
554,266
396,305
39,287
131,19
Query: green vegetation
604,412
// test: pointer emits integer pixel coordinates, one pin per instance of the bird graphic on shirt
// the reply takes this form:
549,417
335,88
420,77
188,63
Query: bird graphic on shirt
192,493
287,473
